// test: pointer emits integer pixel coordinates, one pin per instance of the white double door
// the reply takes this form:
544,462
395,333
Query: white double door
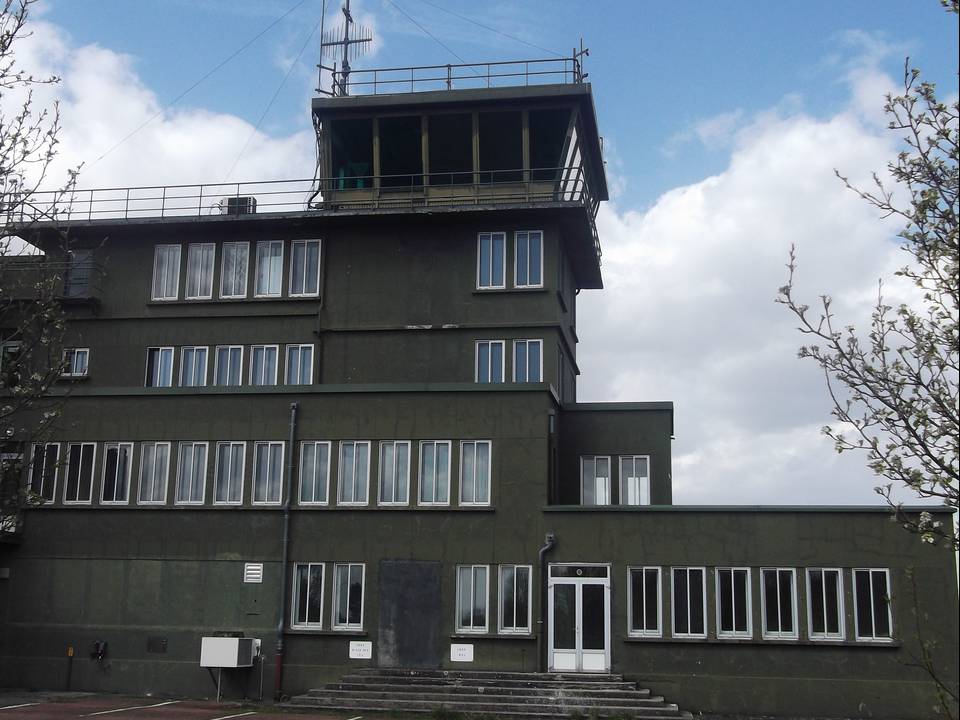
579,618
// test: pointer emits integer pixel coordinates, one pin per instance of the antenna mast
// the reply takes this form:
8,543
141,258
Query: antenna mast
352,40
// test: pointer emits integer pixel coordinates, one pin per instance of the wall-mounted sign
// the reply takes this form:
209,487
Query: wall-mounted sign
461,653
361,649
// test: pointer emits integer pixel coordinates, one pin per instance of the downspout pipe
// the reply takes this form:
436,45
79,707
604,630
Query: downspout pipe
284,553
551,541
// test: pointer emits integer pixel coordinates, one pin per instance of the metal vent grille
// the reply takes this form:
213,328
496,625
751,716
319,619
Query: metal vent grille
253,572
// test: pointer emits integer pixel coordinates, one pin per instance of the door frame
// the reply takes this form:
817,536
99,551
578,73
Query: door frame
578,583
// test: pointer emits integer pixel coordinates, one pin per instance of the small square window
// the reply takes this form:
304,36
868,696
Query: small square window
76,362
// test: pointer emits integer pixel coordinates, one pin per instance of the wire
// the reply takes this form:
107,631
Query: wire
427,32
180,97
491,29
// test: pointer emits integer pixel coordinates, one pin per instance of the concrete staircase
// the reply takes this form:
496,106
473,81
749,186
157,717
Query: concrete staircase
493,694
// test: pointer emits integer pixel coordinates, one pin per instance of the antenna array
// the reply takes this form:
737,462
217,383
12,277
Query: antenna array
349,41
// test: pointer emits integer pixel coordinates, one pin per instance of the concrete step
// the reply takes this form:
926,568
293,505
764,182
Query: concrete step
655,704
544,683
494,675
486,687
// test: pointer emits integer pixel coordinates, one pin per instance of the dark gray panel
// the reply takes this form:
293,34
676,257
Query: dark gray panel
409,632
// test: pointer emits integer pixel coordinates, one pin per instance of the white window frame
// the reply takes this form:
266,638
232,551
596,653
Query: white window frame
527,342
463,480
673,603
721,633
206,460
516,629
173,356
176,275
246,269
107,446
293,254
644,633
476,361
436,485
271,445
66,472
200,248
366,479
486,596
206,358
826,635
336,596
243,470
166,474
43,470
295,600
607,495
326,478
394,503
856,616
503,260
256,270
527,234
286,364
769,634
276,364
216,364
643,482
69,362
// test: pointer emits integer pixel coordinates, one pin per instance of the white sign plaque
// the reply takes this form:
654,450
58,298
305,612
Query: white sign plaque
361,649
461,653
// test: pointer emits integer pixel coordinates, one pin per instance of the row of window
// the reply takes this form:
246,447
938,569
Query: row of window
527,260
228,365
595,480
304,273
527,361
395,481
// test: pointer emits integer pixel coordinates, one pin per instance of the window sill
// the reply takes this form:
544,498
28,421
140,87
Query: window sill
492,636
755,641
307,632
73,378
235,301
509,290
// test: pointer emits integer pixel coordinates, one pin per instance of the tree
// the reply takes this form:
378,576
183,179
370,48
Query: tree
895,392
31,283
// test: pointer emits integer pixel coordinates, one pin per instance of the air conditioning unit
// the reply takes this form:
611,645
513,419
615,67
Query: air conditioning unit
227,652
238,205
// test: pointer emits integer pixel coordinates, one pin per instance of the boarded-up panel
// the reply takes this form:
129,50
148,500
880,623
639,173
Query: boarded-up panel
409,629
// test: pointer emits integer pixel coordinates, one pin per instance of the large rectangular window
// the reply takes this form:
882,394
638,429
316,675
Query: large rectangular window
475,472
79,485
159,367
193,366
778,597
229,365
871,598
304,268
689,601
435,472
634,479
734,614
528,265
200,258
263,364
314,472
516,582
233,269
228,483
595,480
307,609
394,472
472,592
117,467
166,272
825,603
43,470
267,472
76,362
299,365
191,473
154,470
490,260
489,364
348,596
644,601
528,361
354,472
269,268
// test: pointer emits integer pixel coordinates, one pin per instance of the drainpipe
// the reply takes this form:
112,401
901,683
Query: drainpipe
285,549
551,541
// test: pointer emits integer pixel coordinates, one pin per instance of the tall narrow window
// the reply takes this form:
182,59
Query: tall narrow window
191,473
269,268
825,603
229,365
515,585
233,270
159,367
299,365
263,364
267,472
354,472
307,595
193,366
304,268
43,470
166,272
528,361
228,483
644,601
528,268
200,258
394,472
75,362
733,603
79,485
489,365
490,260
472,592
117,466
435,472
634,479
871,598
778,595
348,596
595,480
689,601
314,472
475,472
154,470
